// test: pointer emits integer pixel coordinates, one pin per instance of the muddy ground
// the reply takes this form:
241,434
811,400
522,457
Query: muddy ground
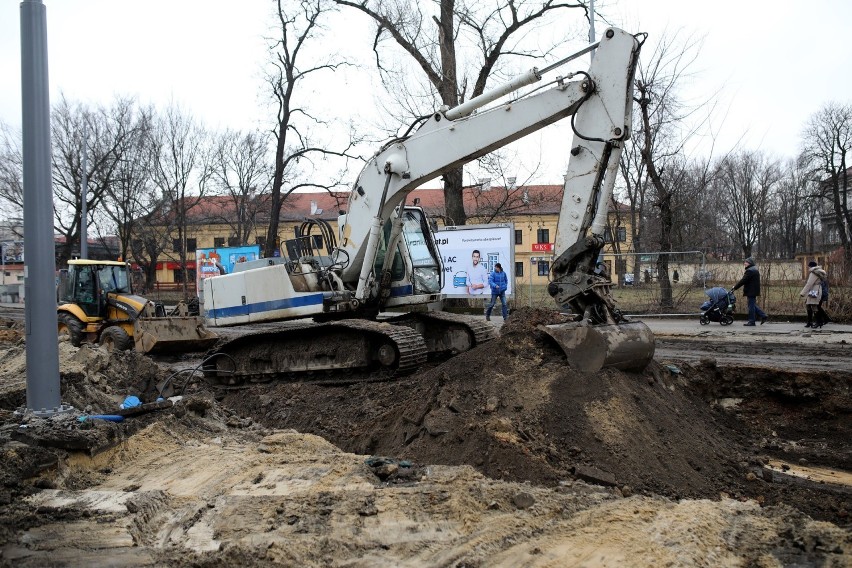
499,456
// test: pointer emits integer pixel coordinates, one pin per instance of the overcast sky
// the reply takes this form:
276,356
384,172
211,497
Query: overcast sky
774,63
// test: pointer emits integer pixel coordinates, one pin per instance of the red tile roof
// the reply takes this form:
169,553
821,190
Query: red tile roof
540,200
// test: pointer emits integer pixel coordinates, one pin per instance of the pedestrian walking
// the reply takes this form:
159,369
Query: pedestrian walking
499,282
812,293
750,283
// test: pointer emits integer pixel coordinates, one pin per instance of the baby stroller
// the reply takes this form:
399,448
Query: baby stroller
720,306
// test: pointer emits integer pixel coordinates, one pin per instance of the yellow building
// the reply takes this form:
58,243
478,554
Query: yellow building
533,209
212,224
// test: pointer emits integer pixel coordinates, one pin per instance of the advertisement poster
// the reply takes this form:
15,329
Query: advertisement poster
216,261
469,253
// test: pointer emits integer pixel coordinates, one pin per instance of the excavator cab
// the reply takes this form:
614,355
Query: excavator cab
416,266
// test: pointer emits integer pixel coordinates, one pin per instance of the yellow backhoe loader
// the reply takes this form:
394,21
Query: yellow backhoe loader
97,305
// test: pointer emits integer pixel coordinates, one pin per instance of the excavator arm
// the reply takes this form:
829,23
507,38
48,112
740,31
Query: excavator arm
598,102
599,105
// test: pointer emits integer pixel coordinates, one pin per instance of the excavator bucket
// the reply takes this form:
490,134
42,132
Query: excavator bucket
589,348
174,334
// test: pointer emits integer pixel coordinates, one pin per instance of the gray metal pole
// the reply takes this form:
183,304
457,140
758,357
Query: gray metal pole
43,395
592,24
84,223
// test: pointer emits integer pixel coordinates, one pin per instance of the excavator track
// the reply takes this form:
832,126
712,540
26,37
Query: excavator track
447,334
314,352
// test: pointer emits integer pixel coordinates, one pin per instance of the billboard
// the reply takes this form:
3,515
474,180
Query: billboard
216,261
469,253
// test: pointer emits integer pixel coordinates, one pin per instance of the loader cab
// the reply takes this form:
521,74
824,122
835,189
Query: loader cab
87,283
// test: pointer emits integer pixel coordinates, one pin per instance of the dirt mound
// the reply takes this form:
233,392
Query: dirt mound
201,484
515,410
525,320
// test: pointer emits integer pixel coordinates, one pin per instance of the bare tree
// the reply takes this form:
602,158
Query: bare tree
181,172
11,172
828,142
299,24
436,34
664,124
791,210
635,193
151,238
241,172
106,134
747,180
129,195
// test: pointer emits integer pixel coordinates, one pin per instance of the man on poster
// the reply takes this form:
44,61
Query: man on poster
477,276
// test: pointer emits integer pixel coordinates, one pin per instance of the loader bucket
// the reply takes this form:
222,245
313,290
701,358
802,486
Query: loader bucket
625,346
172,334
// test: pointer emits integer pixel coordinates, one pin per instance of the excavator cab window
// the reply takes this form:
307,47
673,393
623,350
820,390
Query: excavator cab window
422,251
398,266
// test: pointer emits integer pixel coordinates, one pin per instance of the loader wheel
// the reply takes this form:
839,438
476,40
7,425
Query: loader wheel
115,339
72,327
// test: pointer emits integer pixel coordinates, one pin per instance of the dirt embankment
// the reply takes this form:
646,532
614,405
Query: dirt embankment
667,467
513,409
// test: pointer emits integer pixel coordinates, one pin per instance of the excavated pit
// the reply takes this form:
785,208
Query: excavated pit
514,410
572,462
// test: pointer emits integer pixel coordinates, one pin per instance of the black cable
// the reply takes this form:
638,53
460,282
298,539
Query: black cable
193,371
589,92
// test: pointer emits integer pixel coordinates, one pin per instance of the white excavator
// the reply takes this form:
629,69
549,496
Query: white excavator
384,256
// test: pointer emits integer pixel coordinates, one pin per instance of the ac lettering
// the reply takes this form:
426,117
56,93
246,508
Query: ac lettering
450,259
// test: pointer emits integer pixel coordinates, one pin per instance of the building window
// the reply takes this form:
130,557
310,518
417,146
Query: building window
542,235
190,245
233,241
218,242
543,267
620,234
519,269
519,237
